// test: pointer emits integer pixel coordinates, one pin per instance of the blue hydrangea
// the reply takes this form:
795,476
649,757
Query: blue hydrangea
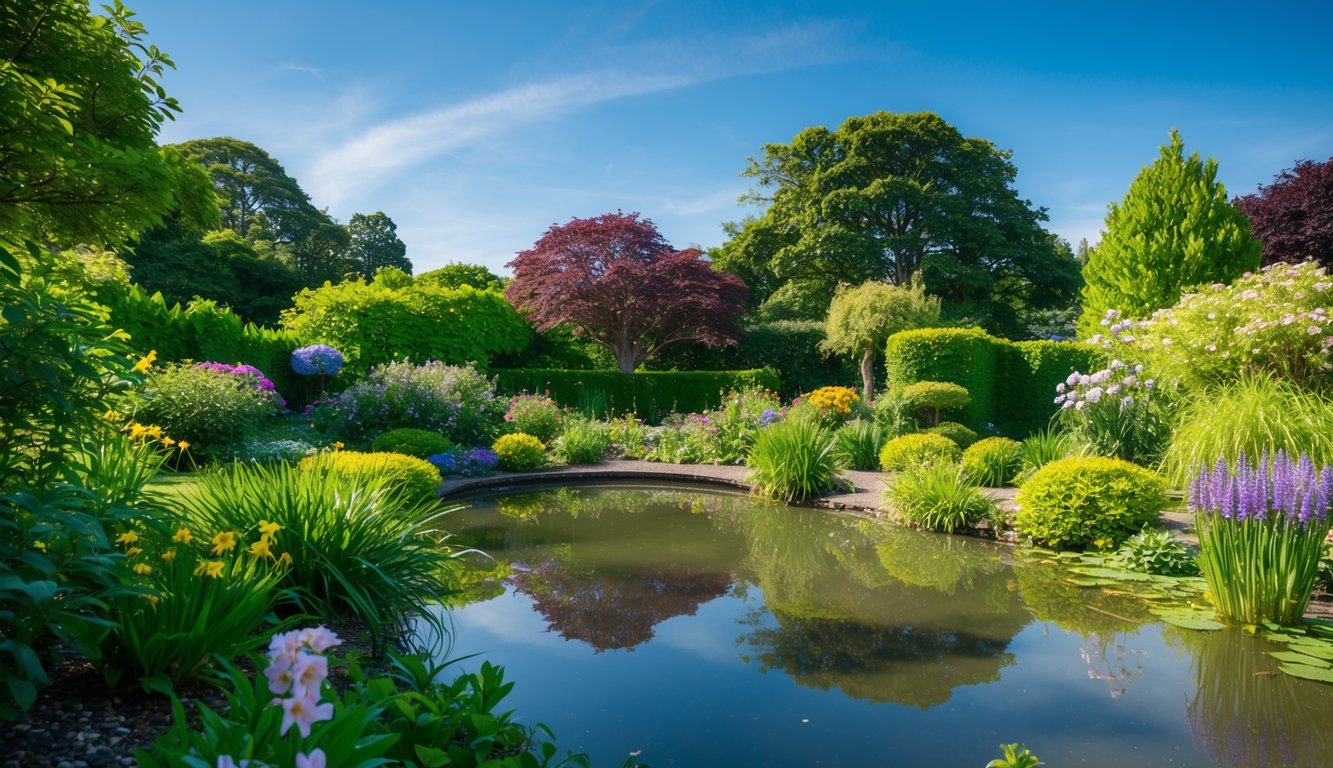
317,359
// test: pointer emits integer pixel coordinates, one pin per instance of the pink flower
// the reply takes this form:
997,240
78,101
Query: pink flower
314,760
320,639
307,674
1314,330
279,674
304,712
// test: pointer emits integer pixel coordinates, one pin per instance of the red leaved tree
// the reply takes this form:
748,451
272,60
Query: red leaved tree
615,279
1294,214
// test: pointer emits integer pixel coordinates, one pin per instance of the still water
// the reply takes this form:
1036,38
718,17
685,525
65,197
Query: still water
712,630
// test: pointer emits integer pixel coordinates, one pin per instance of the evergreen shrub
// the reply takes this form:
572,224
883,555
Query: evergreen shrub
921,448
519,452
410,441
1093,501
956,432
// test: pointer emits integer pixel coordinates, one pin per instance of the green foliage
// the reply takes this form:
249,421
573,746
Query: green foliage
583,442
860,320
455,275
895,414
409,441
1260,570
374,324
859,442
1157,552
630,437
938,497
1116,412
519,452
994,461
797,301
1015,756
1254,414
1174,230
213,411
909,451
1041,448
1088,502
415,479
357,547
956,432
647,394
535,415
455,401
1027,373
941,395
793,460
374,244
723,435
792,349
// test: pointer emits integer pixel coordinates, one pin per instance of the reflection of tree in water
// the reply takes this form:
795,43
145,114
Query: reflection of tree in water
1110,659
1087,611
942,563
1245,713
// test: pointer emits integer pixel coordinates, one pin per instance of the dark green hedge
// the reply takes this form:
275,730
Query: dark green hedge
1012,383
650,395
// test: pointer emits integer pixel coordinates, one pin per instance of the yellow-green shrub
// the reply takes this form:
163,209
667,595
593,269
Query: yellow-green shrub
1089,502
519,452
413,477
911,450
421,443
994,461
955,432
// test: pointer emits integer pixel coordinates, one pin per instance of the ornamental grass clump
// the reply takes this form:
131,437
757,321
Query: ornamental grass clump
859,442
939,497
794,460
1261,534
584,442
993,462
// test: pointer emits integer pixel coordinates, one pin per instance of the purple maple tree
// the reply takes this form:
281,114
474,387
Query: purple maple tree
1294,214
618,281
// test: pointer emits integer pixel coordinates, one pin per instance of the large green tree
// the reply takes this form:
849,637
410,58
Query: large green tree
375,244
861,320
80,106
886,196
1174,229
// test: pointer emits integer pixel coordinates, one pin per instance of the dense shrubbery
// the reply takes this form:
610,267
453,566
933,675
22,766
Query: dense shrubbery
583,442
535,415
936,396
956,432
414,478
993,462
1093,502
794,459
455,401
922,448
649,395
519,452
421,443
720,436
211,410
939,497
859,442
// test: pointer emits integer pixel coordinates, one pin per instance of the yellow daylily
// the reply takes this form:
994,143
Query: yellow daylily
145,362
209,568
167,442
261,549
143,569
151,598
183,536
132,551
169,555
267,529
224,542
285,560
183,445
128,537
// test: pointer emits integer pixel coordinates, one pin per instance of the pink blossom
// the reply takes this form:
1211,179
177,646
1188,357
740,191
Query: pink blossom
307,674
315,759
1314,330
279,674
304,712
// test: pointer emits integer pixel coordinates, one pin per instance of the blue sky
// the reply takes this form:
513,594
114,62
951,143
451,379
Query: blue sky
478,126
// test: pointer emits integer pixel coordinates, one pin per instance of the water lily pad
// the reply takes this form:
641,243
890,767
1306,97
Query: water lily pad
1092,582
1114,573
1191,622
1319,674
1299,658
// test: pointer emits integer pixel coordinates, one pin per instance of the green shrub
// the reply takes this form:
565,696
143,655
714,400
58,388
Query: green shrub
583,442
414,478
792,349
630,437
859,442
939,497
1157,552
993,462
794,460
1027,374
935,396
534,415
410,441
895,414
1254,414
921,448
649,395
955,432
519,452
356,546
211,410
1088,502
1041,448
456,401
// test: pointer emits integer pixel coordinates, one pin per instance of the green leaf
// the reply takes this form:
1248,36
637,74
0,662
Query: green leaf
1298,658
1193,623
23,691
1317,674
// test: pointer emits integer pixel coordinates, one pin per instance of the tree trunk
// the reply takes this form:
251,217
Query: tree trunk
868,374
625,356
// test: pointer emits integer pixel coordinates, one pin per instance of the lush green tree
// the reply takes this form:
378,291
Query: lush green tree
861,320
80,106
374,244
885,196
455,275
1175,229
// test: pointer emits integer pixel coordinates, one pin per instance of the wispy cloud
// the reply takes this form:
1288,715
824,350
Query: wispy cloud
316,71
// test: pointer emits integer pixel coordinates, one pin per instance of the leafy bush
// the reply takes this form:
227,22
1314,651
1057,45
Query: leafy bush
356,546
409,441
895,414
859,442
955,432
455,401
938,497
1253,415
1115,412
1026,372
519,452
834,405
936,396
630,437
535,415
921,448
649,395
993,462
414,478
583,442
720,436
476,462
1041,448
1088,502
211,410
794,460
1157,552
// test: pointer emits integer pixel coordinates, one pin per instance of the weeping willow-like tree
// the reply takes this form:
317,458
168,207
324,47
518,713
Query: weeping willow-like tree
861,320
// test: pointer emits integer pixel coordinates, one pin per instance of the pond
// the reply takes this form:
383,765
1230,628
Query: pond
703,629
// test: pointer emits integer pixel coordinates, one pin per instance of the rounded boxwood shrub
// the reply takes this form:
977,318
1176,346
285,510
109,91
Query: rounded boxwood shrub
409,441
519,452
414,478
921,448
1089,501
956,432
942,395
993,462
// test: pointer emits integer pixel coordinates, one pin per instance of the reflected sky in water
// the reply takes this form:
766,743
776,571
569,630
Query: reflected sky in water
713,630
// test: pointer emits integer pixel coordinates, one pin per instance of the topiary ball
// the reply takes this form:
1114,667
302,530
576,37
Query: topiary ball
1086,502
993,462
420,443
519,452
921,448
956,432
940,395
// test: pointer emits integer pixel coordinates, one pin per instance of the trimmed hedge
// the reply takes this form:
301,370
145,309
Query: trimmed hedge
1012,383
649,395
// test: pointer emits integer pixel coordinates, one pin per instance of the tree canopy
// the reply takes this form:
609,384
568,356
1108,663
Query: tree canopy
1293,216
886,196
1175,229
454,275
374,244
80,107
861,320
619,282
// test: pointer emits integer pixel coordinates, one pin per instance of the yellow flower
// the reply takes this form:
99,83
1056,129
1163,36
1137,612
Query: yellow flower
260,549
150,598
183,446
137,431
267,529
167,442
153,432
169,555
337,446
132,551
224,542
145,362
143,569
209,568
128,537
111,415
183,536
285,560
